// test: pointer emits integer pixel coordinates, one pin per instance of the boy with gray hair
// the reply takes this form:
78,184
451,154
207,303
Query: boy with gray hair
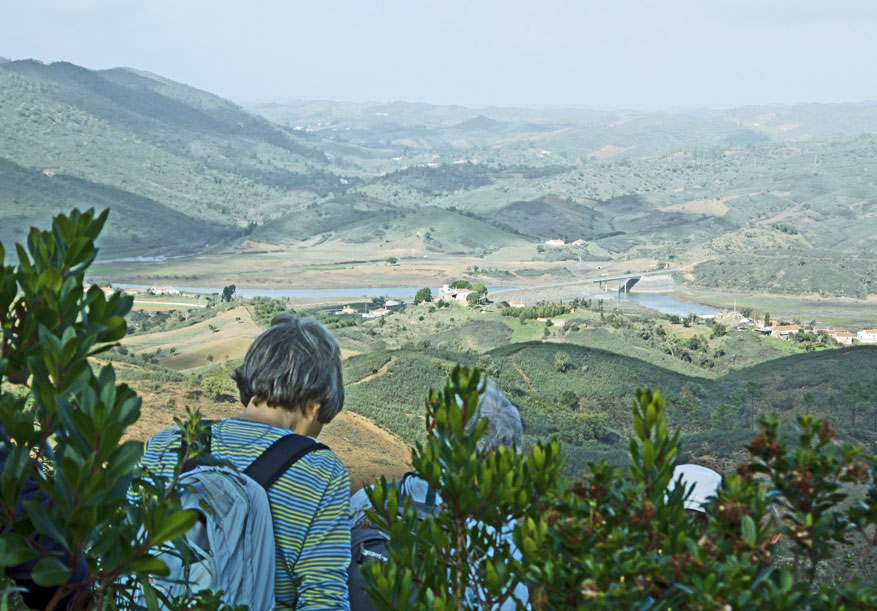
504,429
290,383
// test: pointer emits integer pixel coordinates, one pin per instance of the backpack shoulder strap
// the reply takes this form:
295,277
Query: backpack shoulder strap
279,457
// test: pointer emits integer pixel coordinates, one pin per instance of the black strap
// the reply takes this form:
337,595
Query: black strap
279,457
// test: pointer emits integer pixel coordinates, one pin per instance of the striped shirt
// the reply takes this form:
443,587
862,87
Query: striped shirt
310,506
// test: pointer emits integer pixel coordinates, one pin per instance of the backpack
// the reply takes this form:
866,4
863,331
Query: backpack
368,544
231,546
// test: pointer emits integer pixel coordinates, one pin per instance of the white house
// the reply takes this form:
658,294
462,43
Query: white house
376,313
348,310
392,302
867,336
453,295
556,242
578,242
516,304
843,337
164,290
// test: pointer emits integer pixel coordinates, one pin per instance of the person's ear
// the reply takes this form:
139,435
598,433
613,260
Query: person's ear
312,410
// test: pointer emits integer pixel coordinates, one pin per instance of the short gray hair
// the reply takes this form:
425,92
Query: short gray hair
504,427
292,364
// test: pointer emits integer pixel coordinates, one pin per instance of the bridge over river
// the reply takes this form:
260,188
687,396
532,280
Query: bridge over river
625,281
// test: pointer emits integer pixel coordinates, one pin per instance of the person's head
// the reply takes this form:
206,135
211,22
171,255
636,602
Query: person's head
293,365
504,426
703,484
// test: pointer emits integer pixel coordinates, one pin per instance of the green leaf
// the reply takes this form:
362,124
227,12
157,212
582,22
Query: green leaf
748,530
49,572
14,549
175,526
150,565
44,522
494,583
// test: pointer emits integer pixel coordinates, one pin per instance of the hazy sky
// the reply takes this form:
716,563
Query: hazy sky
647,54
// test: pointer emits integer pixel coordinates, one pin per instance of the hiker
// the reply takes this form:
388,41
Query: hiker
504,429
706,483
290,381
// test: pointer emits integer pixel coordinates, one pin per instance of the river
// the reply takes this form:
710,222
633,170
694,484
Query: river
656,301
662,303
404,292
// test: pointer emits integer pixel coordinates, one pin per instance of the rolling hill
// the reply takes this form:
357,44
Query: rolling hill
183,157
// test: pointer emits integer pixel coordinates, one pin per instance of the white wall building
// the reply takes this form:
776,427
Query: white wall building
867,336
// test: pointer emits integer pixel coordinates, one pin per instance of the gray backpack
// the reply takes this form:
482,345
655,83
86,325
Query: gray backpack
231,547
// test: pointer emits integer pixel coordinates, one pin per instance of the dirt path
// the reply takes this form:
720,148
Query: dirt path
525,376
372,376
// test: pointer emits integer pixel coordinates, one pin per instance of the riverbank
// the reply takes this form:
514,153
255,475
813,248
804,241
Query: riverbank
842,312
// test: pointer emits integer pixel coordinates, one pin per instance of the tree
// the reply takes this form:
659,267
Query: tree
423,295
719,330
228,292
473,298
461,284
392,260
64,420
479,288
767,319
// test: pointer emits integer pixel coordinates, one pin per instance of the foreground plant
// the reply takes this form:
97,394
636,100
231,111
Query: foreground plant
459,558
63,420
618,539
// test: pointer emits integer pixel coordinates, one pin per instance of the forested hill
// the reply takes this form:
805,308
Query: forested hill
181,167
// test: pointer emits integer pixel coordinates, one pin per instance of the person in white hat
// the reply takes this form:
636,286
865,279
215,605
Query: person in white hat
705,484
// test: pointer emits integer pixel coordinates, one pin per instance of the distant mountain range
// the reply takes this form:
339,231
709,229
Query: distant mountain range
184,170
575,132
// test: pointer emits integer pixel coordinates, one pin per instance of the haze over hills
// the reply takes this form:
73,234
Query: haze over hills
776,198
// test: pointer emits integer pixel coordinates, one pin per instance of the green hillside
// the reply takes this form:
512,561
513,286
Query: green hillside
582,395
360,220
137,137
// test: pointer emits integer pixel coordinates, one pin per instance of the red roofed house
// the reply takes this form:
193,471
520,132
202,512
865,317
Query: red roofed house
843,337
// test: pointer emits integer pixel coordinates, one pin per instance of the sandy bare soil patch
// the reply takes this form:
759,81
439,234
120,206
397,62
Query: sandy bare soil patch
225,336
714,207
610,150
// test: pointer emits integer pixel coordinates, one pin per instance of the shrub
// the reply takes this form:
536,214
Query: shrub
620,537
63,427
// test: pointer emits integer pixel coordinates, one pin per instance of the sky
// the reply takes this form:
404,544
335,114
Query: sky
604,54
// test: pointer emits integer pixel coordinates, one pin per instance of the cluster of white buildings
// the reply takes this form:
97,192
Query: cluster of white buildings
774,329
561,242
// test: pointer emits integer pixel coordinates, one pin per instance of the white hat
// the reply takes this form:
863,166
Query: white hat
705,481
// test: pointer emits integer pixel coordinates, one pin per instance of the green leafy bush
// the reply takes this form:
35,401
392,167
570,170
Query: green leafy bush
620,537
63,426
